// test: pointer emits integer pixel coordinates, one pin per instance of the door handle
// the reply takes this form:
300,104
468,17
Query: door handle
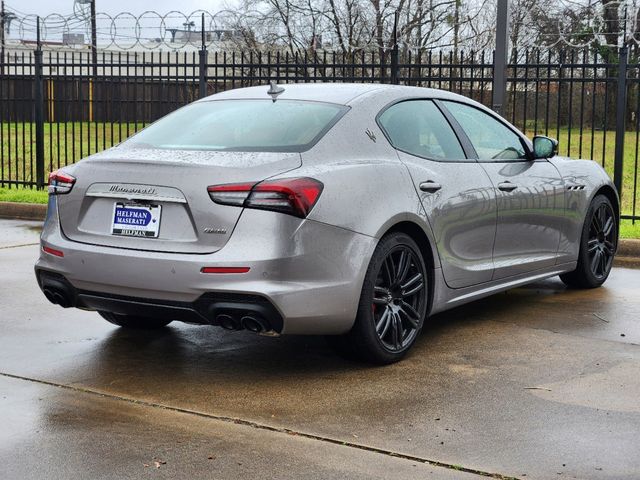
507,186
430,186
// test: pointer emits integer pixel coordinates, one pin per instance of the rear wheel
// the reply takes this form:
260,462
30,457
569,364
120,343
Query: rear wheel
134,322
393,303
597,246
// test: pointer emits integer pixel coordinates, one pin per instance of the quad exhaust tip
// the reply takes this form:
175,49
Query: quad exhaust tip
228,322
58,297
253,324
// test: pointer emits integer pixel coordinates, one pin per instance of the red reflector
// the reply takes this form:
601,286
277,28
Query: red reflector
224,269
52,251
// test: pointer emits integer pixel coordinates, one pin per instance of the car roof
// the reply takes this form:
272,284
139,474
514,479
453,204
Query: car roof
340,93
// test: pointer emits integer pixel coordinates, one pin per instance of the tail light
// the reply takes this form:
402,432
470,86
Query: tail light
60,182
294,196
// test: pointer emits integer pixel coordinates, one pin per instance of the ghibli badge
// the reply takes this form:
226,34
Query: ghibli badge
218,231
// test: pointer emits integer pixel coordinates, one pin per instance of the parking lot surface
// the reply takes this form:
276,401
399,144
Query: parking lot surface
539,382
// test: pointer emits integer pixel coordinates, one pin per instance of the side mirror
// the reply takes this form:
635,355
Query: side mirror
544,147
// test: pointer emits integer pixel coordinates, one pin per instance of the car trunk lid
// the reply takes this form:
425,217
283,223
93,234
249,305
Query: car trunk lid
171,187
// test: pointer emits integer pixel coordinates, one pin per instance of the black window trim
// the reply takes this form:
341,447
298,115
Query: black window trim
465,144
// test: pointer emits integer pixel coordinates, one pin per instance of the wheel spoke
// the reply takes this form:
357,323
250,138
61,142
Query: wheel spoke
608,226
592,245
410,314
384,322
413,291
417,277
403,267
397,331
380,295
388,268
608,247
602,215
595,260
603,263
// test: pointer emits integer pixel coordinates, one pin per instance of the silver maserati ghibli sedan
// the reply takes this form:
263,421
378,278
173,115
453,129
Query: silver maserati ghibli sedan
352,211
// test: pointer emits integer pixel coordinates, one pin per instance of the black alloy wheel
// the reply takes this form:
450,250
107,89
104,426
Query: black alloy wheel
598,246
398,295
601,243
393,303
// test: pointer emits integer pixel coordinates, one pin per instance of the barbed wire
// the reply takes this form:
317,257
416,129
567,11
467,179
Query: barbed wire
176,30
148,30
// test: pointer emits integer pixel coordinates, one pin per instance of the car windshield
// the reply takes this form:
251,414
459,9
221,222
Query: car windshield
242,125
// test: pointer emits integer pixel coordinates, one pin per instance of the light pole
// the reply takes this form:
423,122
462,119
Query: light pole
500,60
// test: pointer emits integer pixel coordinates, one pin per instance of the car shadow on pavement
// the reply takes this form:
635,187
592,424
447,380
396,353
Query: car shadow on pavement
183,352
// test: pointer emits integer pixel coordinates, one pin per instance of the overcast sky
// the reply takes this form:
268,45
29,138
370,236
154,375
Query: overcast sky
149,27
112,7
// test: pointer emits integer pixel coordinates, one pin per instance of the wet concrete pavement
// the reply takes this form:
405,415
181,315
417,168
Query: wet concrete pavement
540,382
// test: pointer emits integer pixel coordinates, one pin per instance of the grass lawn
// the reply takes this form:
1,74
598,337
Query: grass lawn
629,230
23,195
575,146
65,143
27,195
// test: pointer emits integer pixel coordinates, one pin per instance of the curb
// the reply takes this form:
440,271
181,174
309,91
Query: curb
628,249
626,262
23,211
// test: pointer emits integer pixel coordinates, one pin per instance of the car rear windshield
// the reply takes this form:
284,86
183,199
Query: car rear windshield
242,125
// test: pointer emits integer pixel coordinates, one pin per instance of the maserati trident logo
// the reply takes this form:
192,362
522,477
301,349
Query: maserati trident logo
371,135
133,190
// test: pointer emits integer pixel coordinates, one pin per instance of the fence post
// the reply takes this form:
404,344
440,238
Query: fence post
203,64
621,110
500,57
395,51
39,110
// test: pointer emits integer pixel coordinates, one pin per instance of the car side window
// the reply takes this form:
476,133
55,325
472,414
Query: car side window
491,139
419,128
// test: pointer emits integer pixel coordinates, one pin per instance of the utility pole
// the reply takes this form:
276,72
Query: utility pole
2,17
94,40
500,59
39,109
456,27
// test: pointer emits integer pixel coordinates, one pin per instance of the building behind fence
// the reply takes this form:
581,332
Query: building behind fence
58,106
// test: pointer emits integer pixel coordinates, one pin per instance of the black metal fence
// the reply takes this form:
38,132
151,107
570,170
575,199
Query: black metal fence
57,107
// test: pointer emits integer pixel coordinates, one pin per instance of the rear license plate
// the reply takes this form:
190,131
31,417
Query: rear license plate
136,220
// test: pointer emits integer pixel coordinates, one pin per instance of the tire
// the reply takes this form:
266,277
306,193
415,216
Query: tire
598,244
393,304
134,322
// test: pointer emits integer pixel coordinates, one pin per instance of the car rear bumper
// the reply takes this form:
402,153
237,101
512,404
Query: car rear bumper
308,272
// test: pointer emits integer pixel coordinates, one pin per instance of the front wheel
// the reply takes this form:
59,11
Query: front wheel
393,303
134,322
597,246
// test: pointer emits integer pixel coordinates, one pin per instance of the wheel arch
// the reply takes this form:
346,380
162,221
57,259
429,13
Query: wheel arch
609,192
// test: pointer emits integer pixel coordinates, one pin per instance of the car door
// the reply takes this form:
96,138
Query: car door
456,192
529,192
